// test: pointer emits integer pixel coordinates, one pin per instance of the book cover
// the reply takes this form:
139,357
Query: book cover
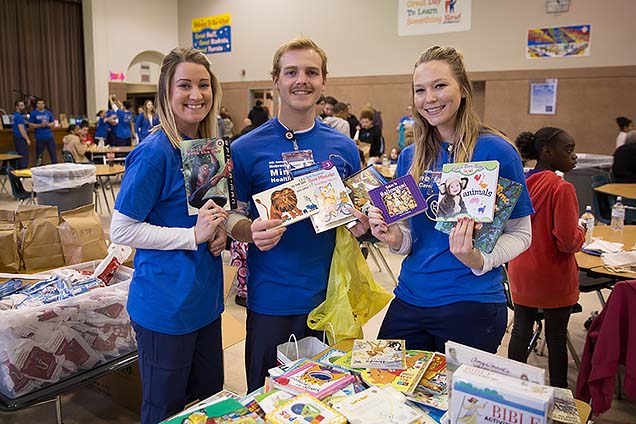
291,201
330,195
486,237
345,363
564,410
207,171
359,185
399,199
316,379
387,354
467,189
330,356
434,379
422,397
378,405
304,408
224,410
403,380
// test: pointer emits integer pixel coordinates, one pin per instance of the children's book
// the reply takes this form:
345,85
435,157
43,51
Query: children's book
403,380
359,185
378,405
399,199
387,354
306,409
314,378
330,356
345,363
291,201
224,410
467,189
434,379
207,171
269,401
421,397
564,410
486,237
330,195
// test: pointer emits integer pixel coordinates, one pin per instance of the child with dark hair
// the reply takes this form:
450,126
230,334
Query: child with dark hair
546,275
625,125
84,135
73,144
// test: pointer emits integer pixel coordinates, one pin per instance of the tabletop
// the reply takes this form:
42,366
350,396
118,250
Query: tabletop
625,190
387,173
595,263
114,149
9,156
106,170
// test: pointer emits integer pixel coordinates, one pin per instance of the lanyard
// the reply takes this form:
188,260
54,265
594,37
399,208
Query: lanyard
289,135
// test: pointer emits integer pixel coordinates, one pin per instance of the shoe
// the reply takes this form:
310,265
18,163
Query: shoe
240,300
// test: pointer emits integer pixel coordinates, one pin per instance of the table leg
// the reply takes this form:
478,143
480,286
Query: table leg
101,182
58,409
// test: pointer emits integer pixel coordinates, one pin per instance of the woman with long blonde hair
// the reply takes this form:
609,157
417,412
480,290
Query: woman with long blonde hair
146,120
448,289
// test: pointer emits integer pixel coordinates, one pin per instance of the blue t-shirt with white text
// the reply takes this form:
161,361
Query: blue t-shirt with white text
42,117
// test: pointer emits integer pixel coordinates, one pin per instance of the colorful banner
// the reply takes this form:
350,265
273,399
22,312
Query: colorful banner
559,41
416,17
212,34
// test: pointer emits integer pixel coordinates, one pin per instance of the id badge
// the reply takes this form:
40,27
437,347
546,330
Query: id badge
298,159
429,181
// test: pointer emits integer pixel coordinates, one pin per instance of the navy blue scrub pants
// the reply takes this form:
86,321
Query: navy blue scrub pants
49,145
479,325
176,370
22,148
264,334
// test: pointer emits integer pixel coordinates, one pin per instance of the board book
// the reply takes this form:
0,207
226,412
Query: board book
290,202
467,189
388,354
434,378
314,378
486,237
399,199
378,405
207,172
403,380
359,185
305,409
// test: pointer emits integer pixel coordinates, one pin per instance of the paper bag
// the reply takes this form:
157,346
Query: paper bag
82,235
40,246
9,256
307,347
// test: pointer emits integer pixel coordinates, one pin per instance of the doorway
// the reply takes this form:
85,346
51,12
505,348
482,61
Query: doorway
266,95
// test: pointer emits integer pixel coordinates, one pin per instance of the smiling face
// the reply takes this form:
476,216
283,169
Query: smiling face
299,82
454,187
190,96
437,96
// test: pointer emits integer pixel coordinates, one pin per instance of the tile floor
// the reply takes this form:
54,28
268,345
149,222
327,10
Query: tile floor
88,406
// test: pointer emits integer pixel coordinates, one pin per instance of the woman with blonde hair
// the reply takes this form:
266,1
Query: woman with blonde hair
176,293
146,120
449,290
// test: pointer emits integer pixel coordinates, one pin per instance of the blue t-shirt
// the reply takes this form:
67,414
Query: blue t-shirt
143,125
101,130
122,129
291,278
42,117
431,275
172,291
17,120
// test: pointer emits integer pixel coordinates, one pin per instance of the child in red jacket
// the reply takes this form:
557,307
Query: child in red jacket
546,275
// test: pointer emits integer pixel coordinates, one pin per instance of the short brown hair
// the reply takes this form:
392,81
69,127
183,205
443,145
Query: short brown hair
298,43
366,113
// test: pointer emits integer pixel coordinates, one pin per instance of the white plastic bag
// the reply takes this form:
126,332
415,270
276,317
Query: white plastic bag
293,349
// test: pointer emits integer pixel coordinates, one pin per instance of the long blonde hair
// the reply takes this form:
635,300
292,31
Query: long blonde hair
208,127
468,126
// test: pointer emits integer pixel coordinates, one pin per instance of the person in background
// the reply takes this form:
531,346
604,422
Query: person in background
112,119
370,135
338,119
624,125
147,119
405,123
448,289
124,130
354,124
228,124
21,139
102,127
624,167
42,120
328,111
247,127
393,155
320,107
258,115
176,293
557,234
84,135
284,282
73,144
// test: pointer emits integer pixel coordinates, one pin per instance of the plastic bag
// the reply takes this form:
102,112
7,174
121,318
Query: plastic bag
353,295
307,347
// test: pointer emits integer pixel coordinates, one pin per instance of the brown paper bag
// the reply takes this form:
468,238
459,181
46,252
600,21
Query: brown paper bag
82,235
40,246
9,256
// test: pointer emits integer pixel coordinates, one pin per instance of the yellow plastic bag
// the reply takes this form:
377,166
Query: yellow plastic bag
353,295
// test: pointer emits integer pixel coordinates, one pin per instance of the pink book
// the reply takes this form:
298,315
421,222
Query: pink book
316,379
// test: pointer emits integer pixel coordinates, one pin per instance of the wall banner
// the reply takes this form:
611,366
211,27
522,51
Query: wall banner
417,17
212,34
559,41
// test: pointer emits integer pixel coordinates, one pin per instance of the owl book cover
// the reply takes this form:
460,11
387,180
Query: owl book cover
399,199
468,190
290,202
207,171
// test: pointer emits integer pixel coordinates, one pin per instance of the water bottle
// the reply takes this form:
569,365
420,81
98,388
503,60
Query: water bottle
386,162
588,218
618,215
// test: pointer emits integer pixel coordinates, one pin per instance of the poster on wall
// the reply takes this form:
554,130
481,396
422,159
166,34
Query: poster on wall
212,34
543,97
417,17
571,41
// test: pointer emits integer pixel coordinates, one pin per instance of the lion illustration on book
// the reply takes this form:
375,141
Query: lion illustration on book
284,205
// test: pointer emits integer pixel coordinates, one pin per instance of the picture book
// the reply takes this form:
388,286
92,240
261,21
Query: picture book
330,356
207,171
345,363
223,410
314,378
434,378
564,410
486,237
388,354
269,401
403,380
291,201
359,185
421,397
399,199
468,189
330,195
306,409
378,405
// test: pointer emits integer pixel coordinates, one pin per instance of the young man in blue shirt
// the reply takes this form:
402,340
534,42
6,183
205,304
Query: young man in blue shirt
42,120
285,279
21,139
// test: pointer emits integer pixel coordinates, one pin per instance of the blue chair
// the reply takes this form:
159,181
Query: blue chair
68,156
602,202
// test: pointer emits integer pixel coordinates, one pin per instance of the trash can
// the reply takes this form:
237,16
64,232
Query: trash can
588,165
65,185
